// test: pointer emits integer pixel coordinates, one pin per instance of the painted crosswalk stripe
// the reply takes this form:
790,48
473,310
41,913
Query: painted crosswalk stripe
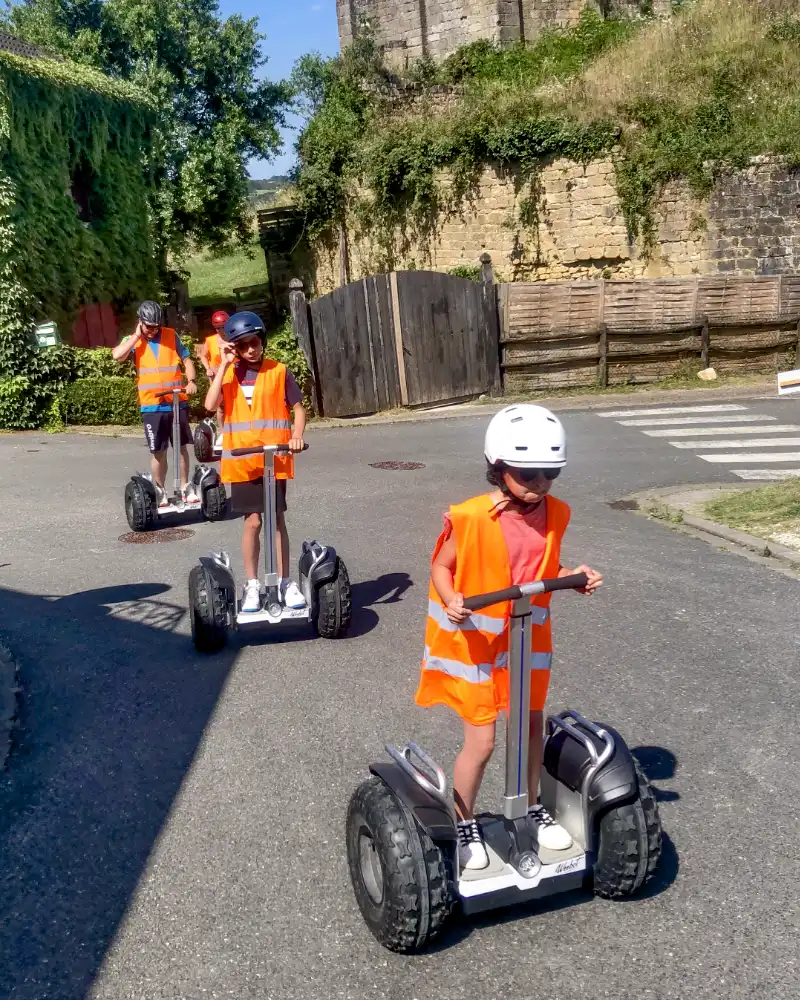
722,408
778,442
709,431
763,456
733,418
766,475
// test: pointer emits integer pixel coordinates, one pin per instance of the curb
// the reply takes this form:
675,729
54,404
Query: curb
588,401
9,697
656,504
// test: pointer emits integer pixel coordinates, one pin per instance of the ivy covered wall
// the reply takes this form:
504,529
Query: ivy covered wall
74,216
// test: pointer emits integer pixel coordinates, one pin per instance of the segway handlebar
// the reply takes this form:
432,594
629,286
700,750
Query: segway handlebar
278,449
169,392
577,581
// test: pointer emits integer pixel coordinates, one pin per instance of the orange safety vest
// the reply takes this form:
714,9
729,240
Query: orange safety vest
466,666
265,420
214,351
158,372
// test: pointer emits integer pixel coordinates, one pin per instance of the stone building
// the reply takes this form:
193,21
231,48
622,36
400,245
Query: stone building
409,30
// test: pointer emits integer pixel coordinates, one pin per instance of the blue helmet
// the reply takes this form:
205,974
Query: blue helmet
243,324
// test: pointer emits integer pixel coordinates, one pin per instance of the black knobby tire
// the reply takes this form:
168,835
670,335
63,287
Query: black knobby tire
208,610
629,844
203,444
407,893
334,604
138,506
214,501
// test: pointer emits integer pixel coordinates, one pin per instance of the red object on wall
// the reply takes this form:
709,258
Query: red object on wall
97,325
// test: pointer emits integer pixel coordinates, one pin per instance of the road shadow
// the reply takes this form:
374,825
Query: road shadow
658,764
115,703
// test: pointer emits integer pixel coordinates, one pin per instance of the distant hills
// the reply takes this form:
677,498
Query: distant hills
266,188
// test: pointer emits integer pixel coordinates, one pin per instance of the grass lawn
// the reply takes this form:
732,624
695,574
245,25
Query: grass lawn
213,279
771,512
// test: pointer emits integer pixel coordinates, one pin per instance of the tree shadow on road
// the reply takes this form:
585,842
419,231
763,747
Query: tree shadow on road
115,703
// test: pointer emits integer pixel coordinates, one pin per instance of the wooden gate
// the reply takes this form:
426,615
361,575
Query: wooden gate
410,338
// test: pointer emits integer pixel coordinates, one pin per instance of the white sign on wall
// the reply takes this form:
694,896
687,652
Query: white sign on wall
788,382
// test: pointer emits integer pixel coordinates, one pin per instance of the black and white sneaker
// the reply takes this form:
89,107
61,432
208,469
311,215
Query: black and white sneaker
548,833
471,850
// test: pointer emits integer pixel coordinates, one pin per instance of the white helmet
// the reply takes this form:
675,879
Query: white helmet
527,437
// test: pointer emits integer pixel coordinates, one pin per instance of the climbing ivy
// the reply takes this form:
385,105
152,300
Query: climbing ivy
74,216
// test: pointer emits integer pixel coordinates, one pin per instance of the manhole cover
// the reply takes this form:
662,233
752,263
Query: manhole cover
153,537
397,466
624,505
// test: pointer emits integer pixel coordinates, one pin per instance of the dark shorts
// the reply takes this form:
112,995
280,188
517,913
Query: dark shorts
248,498
158,430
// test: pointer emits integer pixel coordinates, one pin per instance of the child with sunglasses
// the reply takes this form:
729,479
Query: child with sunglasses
510,536
258,397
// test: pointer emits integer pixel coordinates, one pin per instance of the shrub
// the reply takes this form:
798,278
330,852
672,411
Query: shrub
282,346
109,399
18,405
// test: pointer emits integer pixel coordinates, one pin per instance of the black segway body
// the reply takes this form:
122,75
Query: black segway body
205,436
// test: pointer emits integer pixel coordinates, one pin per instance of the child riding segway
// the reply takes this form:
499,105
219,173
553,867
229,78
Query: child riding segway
257,396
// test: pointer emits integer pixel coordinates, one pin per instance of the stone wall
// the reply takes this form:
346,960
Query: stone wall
411,29
749,225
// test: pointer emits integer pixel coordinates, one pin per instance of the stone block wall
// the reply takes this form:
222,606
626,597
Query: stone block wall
411,29
749,225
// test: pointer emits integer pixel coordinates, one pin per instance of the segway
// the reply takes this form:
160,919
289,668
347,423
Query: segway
206,448
141,496
323,580
401,822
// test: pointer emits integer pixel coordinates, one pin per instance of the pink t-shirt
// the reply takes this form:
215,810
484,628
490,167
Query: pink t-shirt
526,540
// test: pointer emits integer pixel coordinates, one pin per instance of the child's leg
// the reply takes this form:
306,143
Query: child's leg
535,755
251,545
282,545
184,465
158,467
470,765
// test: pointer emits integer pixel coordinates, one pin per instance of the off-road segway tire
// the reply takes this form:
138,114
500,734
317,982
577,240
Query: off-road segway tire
629,844
334,605
208,610
138,506
214,500
203,444
403,882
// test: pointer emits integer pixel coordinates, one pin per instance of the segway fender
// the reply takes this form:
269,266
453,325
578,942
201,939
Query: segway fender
568,761
205,478
221,576
147,485
431,814
317,563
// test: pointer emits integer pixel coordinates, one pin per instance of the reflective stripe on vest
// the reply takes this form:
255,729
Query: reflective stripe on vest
156,373
476,621
264,420
256,425
477,673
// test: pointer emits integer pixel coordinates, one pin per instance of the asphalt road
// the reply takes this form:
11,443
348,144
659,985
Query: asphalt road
172,826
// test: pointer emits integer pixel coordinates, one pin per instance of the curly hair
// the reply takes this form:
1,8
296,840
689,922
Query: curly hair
494,474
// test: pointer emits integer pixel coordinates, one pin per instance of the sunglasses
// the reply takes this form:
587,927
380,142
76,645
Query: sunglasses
531,475
248,344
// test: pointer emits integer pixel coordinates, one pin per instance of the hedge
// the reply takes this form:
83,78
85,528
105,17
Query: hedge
109,399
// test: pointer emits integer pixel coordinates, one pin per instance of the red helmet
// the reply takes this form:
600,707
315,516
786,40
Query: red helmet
220,318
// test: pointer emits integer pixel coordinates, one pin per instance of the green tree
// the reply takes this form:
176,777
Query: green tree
201,69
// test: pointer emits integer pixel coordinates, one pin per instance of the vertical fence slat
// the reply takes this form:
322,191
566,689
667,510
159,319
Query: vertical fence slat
705,344
602,358
298,305
398,339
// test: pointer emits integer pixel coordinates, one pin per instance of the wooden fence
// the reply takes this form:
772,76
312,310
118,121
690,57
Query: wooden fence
410,338
599,333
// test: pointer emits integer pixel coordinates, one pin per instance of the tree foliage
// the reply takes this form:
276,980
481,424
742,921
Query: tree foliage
200,70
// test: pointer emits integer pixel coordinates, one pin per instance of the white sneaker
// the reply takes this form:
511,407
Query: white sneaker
549,834
162,500
218,442
292,596
190,497
251,601
472,854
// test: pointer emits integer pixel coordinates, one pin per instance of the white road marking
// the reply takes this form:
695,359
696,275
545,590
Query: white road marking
778,442
764,456
723,408
708,431
765,475
734,418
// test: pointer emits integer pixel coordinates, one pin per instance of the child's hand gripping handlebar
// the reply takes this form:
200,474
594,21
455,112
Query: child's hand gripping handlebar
577,581
261,449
